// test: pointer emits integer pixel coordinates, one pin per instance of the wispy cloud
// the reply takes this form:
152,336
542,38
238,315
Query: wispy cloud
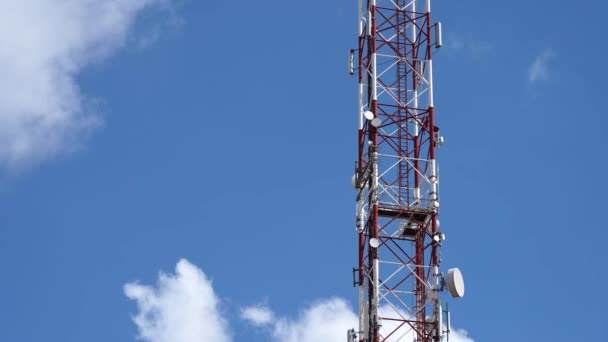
257,315
185,308
45,44
466,45
539,69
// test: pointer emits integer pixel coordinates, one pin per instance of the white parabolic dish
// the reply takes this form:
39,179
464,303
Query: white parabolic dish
455,283
376,122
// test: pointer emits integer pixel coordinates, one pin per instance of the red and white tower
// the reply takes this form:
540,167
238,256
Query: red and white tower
396,177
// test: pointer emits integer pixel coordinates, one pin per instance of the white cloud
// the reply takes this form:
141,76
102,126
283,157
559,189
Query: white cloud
460,335
182,308
539,69
45,44
324,321
258,315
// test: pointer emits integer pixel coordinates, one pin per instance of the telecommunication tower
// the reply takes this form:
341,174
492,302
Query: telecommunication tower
396,177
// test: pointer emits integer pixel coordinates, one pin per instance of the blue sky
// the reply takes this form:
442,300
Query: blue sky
225,133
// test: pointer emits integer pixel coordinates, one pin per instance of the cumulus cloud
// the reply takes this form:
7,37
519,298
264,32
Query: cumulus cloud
182,308
539,69
324,321
45,44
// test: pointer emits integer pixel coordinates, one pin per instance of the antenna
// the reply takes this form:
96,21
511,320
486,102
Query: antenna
351,62
351,335
455,283
438,37
376,122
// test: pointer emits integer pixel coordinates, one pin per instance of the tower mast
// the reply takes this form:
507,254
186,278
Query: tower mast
396,177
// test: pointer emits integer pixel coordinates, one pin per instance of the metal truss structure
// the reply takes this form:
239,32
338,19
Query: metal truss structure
396,175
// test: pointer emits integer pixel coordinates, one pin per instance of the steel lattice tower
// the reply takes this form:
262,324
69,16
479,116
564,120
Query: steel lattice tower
396,177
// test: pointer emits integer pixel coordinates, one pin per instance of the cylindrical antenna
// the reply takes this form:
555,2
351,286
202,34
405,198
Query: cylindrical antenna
351,62
438,37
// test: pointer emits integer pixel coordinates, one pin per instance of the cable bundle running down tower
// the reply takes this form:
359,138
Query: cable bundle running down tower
396,177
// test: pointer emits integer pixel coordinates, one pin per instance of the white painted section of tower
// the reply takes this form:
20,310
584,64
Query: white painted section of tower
362,306
374,161
361,27
439,323
376,263
374,78
430,78
430,61
414,62
374,57
361,111
436,284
